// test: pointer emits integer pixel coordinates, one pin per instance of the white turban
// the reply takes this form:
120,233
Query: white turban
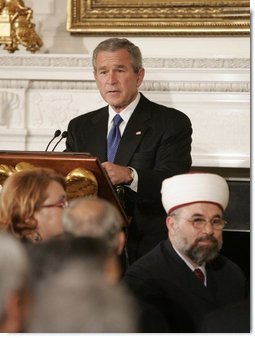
185,189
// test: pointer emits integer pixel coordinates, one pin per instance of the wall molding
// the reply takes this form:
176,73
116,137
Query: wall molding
70,67
151,86
74,61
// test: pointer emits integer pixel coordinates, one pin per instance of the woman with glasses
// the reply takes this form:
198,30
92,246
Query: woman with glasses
31,204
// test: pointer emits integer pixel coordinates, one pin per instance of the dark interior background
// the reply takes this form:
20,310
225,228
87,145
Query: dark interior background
236,235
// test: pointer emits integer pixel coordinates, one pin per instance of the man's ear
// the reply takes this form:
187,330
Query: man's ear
140,77
170,224
121,242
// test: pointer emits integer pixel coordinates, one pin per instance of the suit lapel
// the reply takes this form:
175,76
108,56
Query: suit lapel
133,133
98,144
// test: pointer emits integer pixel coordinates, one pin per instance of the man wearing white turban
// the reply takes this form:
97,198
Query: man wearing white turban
185,277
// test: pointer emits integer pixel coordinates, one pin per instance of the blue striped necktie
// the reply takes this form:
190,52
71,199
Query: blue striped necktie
114,137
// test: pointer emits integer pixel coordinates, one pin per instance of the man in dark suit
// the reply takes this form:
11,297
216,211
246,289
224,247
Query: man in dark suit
155,140
184,277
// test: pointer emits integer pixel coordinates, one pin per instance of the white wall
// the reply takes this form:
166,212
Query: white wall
205,77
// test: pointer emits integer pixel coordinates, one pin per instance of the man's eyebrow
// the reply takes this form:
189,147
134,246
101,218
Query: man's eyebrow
197,214
201,215
114,66
101,67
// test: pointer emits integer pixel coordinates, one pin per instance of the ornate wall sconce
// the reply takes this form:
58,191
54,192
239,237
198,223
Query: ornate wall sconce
16,27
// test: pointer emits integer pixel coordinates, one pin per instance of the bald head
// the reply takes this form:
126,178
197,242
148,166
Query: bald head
94,217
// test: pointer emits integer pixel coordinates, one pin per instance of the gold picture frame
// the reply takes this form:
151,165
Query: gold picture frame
156,17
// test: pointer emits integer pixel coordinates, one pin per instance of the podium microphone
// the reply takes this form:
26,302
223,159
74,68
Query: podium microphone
63,135
56,134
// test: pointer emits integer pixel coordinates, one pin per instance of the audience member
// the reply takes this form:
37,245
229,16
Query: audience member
95,217
75,300
50,256
167,276
147,144
31,204
99,259
14,276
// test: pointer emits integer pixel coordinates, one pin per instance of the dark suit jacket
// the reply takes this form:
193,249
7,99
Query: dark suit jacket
163,279
157,143
234,318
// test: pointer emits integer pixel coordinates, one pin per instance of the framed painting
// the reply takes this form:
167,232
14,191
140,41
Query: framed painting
156,17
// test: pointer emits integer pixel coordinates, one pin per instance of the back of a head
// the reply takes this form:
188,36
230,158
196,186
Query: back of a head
78,301
50,256
14,269
94,217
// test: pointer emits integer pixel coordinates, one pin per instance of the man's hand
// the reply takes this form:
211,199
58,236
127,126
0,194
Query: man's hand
118,174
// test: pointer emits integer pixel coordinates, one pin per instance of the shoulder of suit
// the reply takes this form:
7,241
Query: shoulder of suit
90,115
223,263
159,109
150,260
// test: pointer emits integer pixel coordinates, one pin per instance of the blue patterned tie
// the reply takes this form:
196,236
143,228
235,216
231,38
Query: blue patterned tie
114,138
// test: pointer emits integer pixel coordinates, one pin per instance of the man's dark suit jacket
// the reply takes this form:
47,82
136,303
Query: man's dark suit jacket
157,144
163,279
234,318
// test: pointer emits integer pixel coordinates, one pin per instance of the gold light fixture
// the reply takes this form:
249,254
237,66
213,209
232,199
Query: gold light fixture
16,27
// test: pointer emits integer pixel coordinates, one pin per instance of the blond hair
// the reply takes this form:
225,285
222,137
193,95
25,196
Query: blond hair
22,194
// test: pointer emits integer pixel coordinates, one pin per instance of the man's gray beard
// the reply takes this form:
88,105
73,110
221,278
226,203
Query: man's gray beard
199,254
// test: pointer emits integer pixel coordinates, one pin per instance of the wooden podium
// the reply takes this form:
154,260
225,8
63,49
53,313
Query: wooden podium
64,163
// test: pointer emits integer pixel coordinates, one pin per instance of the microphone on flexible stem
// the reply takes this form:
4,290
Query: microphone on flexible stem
56,134
63,135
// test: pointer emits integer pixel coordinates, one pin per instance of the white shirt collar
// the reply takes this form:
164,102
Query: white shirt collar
125,113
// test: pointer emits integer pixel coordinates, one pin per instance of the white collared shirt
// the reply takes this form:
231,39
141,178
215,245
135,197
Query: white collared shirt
125,114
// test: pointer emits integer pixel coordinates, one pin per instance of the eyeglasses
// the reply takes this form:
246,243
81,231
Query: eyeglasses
217,223
60,204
